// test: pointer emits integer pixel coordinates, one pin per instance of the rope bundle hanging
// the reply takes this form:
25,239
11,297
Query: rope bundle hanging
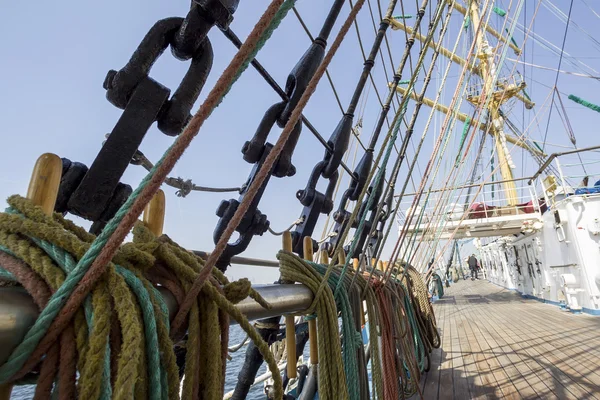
423,308
332,379
113,339
398,322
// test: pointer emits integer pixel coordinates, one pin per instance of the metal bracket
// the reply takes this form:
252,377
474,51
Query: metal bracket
98,186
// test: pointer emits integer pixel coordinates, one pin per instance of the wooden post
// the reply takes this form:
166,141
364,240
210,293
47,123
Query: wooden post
42,191
45,181
312,323
324,257
154,213
342,257
290,327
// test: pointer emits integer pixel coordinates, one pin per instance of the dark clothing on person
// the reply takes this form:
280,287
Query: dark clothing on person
474,274
473,264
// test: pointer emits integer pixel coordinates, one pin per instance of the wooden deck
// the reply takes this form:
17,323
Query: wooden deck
498,345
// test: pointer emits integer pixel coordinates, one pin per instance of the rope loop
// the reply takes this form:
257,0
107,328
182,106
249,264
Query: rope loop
113,336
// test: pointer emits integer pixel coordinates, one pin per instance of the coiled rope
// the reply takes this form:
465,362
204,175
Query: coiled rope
112,340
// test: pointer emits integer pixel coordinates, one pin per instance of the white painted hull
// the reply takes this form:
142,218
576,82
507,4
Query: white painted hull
559,263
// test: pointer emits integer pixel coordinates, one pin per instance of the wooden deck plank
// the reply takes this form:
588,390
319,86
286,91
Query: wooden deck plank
487,386
527,374
563,387
461,387
446,382
561,363
516,386
496,344
431,379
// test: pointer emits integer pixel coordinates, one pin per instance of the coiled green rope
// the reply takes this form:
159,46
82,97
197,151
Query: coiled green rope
43,243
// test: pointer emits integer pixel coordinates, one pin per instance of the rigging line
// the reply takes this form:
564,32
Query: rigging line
398,163
362,50
571,132
443,203
296,222
429,73
443,138
264,171
422,141
463,216
555,70
389,138
590,8
233,38
312,39
339,181
432,28
307,31
548,45
561,15
184,187
385,37
402,155
557,74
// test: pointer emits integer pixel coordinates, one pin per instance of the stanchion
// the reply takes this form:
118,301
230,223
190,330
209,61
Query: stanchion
290,327
154,213
312,323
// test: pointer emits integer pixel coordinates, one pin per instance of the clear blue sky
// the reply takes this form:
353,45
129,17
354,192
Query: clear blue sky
56,56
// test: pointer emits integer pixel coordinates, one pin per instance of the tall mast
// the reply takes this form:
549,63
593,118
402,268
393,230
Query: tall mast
488,70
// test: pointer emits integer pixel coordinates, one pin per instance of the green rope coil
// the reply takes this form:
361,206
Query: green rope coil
584,103
465,131
145,364
499,11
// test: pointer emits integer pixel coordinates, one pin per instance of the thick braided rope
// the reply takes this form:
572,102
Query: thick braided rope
351,338
93,264
124,288
332,380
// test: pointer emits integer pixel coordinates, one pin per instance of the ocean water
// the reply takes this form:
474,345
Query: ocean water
233,367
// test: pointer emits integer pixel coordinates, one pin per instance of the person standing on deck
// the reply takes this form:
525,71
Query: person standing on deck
473,266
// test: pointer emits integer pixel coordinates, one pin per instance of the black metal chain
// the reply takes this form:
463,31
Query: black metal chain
97,193
256,150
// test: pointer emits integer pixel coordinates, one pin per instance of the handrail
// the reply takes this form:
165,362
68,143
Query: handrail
468,186
554,155
256,262
18,312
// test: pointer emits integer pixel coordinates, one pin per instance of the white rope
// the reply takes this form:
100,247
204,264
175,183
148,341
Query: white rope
554,69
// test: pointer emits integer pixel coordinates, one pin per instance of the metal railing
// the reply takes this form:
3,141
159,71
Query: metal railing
18,312
478,201
563,175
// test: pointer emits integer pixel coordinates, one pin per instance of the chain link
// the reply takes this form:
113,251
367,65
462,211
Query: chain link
96,193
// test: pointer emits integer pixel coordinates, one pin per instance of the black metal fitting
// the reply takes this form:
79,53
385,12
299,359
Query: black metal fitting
253,222
315,203
72,175
98,186
176,113
339,140
361,174
298,79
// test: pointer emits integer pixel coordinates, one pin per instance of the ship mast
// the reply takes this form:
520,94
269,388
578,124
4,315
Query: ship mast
501,91
488,70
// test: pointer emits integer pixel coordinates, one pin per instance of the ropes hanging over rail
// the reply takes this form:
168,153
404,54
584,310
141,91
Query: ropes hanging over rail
128,362
105,329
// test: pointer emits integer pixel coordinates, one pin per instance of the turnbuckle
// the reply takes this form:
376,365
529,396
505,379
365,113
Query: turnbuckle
315,203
